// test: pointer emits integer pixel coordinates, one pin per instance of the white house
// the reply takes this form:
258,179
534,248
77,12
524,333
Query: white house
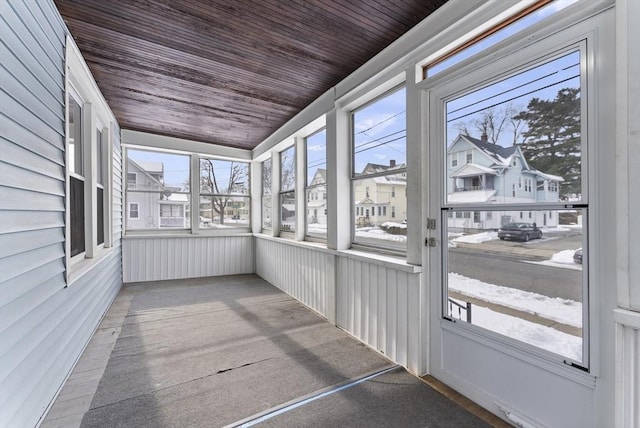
487,173
381,198
150,203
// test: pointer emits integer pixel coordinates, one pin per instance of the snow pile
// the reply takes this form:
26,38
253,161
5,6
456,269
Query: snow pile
564,257
389,224
377,233
477,238
553,308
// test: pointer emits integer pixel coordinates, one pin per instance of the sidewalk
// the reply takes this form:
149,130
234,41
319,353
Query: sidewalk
525,252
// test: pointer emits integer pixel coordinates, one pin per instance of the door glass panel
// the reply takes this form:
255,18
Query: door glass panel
513,161
523,280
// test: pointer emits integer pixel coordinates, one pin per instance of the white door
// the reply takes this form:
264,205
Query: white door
510,325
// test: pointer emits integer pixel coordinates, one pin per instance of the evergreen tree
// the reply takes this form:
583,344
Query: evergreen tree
552,138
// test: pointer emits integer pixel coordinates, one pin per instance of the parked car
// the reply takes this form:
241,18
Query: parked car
577,256
519,231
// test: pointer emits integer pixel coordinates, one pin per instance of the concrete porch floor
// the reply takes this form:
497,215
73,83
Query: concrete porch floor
236,351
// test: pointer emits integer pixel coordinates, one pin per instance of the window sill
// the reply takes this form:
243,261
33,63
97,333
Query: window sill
165,235
389,261
80,268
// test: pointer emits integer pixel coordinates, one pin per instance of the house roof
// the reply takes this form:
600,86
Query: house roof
495,150
472,169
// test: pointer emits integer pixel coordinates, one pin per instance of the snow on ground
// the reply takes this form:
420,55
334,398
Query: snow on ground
477,238
534,334
562,259
553,308
560,310
377,233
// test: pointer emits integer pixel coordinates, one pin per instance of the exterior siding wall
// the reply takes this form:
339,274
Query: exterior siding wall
303,273
153,258
44,325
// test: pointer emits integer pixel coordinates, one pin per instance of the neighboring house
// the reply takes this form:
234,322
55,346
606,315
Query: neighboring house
151,204
317,198
381,199
483,172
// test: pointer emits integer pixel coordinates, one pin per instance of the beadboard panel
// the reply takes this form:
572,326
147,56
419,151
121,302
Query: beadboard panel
380,306
154,258
45,322
627,368
304,273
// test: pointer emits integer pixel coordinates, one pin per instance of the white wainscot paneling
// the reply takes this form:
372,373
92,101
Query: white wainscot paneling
380,305
627,368
303,272
153,258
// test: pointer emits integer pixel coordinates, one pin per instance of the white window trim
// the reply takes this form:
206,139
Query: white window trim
130,204
96,114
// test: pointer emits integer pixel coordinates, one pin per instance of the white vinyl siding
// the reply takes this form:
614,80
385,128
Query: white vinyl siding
45,326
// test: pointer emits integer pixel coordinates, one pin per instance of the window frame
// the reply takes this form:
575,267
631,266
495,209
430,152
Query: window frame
246,196
379,245
95,115
287,191
310,187
188,228
491,73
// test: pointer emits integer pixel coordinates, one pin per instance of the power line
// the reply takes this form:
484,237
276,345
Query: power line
514,98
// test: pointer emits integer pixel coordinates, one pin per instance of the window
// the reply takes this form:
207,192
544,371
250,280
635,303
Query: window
162,189
469,157
134,210
379,169
224,194
76,178
132,179
100,195
287,190
266,195
548,95
494,35
88,202
454,160
316,187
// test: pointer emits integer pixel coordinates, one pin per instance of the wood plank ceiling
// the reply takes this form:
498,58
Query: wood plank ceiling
228,72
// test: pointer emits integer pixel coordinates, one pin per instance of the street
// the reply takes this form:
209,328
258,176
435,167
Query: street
508,271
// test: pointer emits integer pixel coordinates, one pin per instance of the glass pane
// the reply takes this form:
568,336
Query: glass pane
266,177
288,211
266,212
221,177
218,212
379,135
317,158
523,279
99,157
380,208
317,211
498,36
161,189
288,169
76,161
519,139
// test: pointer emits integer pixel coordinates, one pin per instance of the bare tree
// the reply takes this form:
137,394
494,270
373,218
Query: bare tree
219,191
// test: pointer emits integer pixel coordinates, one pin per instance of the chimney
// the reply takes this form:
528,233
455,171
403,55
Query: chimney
392,163
484,138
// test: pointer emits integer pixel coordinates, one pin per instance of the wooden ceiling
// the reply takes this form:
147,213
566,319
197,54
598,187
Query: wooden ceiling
228,72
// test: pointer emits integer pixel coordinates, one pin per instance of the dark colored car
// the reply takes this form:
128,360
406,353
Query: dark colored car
577,256
519,231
